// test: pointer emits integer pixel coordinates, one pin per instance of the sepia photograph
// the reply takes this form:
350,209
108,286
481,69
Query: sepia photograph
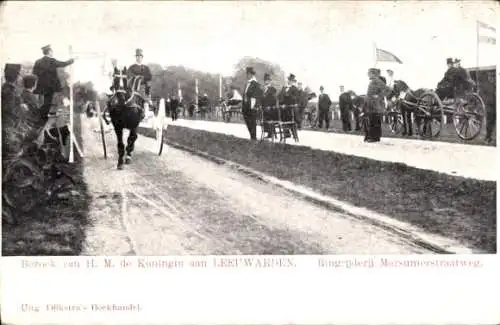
161,128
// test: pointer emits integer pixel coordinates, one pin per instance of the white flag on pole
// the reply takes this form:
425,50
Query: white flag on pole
486,33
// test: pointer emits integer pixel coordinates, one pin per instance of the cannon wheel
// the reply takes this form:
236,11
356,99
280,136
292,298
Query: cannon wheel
468,117
158,126
429,115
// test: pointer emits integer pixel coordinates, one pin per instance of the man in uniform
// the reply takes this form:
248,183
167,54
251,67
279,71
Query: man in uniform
139,69
324,104
251,94
269,101
289,97
174,106
377,91
345,105
444,88
463,82
48,81
390,78
488,88
203,104
302,103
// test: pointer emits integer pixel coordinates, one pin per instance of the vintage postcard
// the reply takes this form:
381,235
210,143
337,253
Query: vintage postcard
244,162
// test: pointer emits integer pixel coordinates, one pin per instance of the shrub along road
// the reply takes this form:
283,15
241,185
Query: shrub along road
182,204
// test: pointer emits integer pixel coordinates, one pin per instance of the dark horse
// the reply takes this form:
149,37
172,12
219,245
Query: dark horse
125,108
407,100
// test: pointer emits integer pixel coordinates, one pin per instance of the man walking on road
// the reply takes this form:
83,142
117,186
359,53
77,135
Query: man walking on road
48,81
324,104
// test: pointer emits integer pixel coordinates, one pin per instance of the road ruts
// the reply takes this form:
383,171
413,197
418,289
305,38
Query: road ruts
179,204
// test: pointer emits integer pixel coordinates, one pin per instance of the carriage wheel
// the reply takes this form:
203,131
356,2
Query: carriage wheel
429,115
468,117
158,126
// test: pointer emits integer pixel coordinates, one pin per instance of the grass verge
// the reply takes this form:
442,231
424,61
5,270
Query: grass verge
455,207
58,228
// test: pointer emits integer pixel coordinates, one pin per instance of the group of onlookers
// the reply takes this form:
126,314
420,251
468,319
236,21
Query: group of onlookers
36,92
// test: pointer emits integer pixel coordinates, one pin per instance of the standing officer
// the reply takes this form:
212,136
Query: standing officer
48,82
324,103
251,95
269,102
377,91
345,105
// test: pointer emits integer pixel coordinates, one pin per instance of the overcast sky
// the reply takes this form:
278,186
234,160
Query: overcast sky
322,42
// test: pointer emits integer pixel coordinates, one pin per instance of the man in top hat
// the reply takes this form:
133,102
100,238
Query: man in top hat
251,95
346,107
48,82
444,88
289,97
11,95
377,91
269,104
324,104
139,69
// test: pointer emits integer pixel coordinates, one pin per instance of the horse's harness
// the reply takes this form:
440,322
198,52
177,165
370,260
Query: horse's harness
134,85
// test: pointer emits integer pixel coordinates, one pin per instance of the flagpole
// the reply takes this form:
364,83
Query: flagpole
477,56
374,54
71,157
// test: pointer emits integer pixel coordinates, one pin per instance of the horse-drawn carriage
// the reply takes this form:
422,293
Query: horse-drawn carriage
428,108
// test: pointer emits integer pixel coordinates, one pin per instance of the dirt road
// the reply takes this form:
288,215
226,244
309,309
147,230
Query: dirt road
179,204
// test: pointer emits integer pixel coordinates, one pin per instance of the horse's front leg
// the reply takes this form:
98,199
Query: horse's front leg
121,146
130,144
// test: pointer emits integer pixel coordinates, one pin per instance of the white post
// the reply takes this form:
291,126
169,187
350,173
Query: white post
71,138
220,86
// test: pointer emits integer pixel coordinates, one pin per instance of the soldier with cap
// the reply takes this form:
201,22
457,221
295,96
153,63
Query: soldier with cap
251,95
48,82
377,91
11,95
139,69
269,103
